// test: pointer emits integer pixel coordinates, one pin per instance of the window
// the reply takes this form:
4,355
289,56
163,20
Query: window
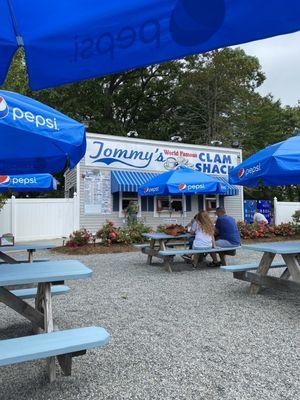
169,204
127,197
211,203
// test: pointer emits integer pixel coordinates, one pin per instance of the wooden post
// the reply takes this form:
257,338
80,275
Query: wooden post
293,265
263,269
149,259
30,255
21,307
44,304
168,262
13,216
275,219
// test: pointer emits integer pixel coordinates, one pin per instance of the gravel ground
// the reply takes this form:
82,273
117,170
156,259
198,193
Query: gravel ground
193,334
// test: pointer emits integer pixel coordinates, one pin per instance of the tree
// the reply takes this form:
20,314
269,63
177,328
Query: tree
214,86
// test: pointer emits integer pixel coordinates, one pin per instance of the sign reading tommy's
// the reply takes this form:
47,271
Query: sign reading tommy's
157,156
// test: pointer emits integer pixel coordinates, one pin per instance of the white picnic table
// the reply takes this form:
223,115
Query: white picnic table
30,248
41,315
289,251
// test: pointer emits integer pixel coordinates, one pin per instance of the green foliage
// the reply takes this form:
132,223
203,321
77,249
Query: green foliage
135,231
161,228
3,200
296,217
79,238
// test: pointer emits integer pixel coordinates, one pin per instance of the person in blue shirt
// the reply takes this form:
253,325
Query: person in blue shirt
226,230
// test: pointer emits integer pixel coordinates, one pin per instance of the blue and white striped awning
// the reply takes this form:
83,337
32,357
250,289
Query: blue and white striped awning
129,181
227,188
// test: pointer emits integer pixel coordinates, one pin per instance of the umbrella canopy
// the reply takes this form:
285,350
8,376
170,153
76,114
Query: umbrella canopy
66,41
276,165
35,138
181,181
27,183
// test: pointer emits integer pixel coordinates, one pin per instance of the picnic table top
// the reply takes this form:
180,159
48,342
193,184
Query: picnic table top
31,246
48,271
275,247
159,236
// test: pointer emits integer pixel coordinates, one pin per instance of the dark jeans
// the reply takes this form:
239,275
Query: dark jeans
191,241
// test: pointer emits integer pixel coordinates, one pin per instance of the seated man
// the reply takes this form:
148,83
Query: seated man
226,230
259,217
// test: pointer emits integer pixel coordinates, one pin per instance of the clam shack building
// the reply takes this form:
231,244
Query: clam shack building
114,167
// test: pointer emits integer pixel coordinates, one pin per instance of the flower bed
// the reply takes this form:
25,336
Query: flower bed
264,231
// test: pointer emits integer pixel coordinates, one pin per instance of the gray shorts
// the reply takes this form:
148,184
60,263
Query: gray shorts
224,243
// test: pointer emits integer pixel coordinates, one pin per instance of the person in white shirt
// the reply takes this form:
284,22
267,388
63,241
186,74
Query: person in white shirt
259,217
204,231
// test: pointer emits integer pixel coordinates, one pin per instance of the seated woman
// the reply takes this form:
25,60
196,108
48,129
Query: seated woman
204,235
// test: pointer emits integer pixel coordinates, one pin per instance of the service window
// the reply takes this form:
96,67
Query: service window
211,203
127,197
169,204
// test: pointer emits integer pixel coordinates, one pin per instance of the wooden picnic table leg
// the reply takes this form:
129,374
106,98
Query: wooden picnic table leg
168,263
44,304
152,244
162,245
286,274
30,255
222,256
263,269
293,265
22,308
8,259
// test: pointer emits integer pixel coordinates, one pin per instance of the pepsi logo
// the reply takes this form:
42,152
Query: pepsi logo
241,173
3,108
194,22
146,190
4,179
182,186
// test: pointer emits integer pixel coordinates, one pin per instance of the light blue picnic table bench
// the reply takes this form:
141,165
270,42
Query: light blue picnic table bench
63,344
30,248
160,243
257,273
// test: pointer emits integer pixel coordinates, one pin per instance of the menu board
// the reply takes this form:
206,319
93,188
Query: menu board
97,192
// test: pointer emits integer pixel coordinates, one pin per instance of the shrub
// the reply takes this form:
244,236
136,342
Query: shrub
285,230
79,238
109,234
161,228
296,217
135,230
261,230
132,233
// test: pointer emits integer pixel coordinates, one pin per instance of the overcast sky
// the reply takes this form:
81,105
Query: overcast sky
280,60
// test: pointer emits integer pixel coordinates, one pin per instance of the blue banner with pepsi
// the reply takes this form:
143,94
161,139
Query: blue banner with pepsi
67,41
27,183
36,138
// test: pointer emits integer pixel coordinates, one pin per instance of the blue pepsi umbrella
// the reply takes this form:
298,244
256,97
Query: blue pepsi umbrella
276,165
181,181
66,41
27,183
35,138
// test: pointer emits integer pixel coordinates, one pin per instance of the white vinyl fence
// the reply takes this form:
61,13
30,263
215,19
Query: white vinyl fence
284,210
38,219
